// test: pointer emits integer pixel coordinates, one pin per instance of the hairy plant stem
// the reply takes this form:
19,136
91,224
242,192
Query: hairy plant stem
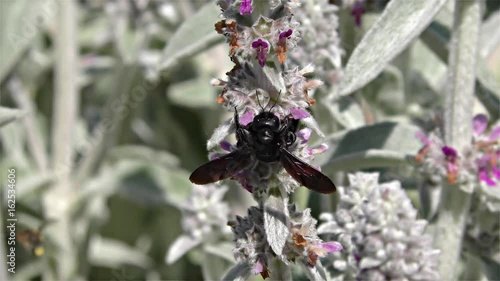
36,144
57,201
455,202
108,129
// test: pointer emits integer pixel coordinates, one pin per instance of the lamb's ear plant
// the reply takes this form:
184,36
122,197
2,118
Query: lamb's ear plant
106,106
377,227
382,236
465,158
275,234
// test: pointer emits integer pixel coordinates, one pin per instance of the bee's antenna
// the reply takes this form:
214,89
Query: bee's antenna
275,102
258,100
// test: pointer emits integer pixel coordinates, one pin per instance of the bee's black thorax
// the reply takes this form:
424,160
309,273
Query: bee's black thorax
266,134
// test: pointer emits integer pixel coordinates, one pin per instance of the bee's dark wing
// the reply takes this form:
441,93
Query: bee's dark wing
222,168
305,174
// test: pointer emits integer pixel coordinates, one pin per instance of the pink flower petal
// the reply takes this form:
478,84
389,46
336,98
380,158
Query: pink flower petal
246,7
357,11
483,175
247,118
304,134
423,138
318,149
496,172
259,43
482,162
261,47
258,267
332,246
226,146
299,113
452,167
479,124
495,134
285,34
449,152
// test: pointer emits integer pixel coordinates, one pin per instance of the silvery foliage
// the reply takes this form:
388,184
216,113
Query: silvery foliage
381,235
302,245
275,230
204,220
205,211
482,235
320,44
261,35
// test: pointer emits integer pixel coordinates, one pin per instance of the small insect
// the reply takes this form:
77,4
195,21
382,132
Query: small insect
267,138
32,240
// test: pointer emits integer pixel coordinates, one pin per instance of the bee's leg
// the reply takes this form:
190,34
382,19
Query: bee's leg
294,124
287,131
284,126
243,135
236,119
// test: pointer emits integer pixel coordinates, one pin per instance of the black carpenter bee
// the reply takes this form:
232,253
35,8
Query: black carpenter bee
267,138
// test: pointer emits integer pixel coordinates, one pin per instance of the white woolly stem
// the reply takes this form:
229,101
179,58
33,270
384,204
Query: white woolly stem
57,201
36,143
455,203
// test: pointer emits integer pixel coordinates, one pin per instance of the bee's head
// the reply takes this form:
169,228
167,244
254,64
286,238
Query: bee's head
266,120
266,125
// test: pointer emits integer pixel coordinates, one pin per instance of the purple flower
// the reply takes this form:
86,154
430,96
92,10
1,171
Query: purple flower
423,138
318,149
246,118
258,267
332,246
450,153
304,135
299,113
485,177
479,124
495,134
261,47
285,34
281,48
357,11
487,164
226,146
317,250
451,156
488,170
246,7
